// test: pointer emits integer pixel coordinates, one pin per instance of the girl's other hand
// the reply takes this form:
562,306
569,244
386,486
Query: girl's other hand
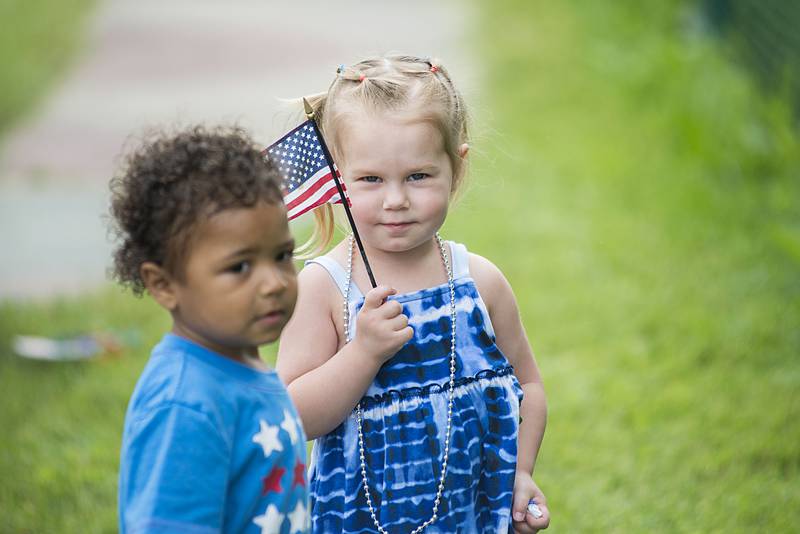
382,329
526,489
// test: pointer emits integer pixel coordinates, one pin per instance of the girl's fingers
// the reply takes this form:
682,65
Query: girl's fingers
399,322
406,334
519,506
523,528
390,309
375,297
539,523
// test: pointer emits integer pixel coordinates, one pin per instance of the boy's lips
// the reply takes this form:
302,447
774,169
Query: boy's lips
271,318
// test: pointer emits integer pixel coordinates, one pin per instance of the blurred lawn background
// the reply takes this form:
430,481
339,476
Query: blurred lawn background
639,186
38,41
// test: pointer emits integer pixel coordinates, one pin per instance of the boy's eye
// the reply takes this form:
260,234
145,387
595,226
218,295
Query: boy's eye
417,176
239,267
370,179
286,255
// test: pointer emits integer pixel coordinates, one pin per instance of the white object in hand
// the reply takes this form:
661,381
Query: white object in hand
533,508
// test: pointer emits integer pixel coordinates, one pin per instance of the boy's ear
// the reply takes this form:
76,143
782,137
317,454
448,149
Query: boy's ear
463,150
159,284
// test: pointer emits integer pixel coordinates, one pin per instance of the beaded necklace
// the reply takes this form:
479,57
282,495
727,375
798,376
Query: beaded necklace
346,317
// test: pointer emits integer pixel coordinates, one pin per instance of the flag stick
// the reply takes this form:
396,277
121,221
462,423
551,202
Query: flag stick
310,114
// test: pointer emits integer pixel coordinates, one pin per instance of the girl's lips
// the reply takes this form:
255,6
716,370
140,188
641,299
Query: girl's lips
397,226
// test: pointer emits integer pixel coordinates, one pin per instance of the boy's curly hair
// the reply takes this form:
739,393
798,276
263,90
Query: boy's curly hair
171,183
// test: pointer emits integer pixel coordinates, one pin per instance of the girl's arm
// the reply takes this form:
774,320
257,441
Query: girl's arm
512,341
325,382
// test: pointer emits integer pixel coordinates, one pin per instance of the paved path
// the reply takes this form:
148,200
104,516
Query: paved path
154,62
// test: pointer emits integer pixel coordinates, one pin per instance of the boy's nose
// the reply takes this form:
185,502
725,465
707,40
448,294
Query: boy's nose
272,281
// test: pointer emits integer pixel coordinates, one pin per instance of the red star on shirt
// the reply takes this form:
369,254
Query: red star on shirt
273,481
299,474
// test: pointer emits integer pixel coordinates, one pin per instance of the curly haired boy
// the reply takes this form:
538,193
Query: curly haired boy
211,440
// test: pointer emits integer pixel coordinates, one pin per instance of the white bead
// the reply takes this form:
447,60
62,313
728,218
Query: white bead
346,321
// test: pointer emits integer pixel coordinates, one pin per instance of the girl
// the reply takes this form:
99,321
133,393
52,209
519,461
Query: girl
413,391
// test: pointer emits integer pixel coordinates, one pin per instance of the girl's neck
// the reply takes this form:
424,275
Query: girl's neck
406,271
403,259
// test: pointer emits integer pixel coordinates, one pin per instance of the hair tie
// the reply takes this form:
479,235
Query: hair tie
434,69
362,77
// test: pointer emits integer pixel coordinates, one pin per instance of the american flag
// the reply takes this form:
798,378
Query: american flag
307,178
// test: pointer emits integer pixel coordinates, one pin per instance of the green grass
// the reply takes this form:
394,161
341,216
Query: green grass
60,443
38,40
651,230
641,196
62,422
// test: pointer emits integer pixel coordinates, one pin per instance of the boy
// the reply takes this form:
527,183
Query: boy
211,441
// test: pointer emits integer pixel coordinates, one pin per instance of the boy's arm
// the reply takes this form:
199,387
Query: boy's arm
173,473
512,341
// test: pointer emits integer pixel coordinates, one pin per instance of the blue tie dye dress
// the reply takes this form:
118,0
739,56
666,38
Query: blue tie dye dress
405,418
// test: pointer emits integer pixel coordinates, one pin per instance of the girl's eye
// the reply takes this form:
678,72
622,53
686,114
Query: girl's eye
370,179
417,176
240,267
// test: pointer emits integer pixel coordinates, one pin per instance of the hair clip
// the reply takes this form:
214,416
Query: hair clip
362,77
340,69
434,69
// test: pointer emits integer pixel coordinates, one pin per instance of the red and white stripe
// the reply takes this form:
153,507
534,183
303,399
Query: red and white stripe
315,191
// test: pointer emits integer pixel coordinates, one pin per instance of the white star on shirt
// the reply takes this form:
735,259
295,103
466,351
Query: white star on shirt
267,437
270,521
289,425
298,519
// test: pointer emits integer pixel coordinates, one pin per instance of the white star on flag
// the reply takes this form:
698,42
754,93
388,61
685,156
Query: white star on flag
298,519
267,437
270,521
308,176
289,426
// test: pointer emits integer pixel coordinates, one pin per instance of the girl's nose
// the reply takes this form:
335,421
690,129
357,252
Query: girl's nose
395,198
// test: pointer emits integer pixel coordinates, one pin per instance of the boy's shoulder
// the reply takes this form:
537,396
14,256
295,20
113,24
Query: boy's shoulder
171,378
161,377
183,374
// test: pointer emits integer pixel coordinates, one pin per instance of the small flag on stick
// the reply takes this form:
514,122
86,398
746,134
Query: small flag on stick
308,175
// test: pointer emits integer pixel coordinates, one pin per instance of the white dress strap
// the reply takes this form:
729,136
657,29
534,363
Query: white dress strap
337,274
460,259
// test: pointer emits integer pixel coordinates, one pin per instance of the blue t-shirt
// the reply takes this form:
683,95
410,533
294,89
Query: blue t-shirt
210,445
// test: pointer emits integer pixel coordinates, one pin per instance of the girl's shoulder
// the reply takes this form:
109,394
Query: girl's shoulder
316,278
324,271
490,281
483,271
337,254
478,266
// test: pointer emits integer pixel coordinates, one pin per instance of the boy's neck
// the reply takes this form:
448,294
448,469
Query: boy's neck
247,356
